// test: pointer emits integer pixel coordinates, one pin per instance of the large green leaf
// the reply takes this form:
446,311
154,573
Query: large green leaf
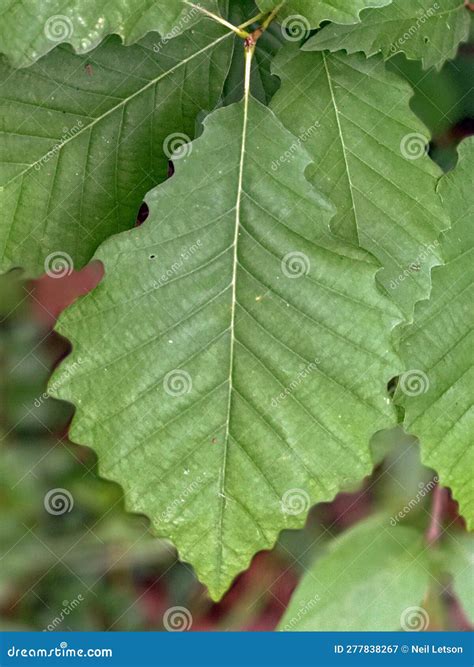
31,28
421,29
306,14
85,137
437,389
235,356
369,152
373,578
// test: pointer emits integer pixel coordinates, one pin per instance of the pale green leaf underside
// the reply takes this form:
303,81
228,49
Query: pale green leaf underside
459,560
438,390
85,137
317,11
31,28
355,120
420,29
212,383
367,581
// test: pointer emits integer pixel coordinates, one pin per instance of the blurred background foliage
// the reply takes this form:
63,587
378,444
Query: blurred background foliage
104,562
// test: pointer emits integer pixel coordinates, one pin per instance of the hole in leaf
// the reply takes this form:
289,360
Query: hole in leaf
392,385
142,215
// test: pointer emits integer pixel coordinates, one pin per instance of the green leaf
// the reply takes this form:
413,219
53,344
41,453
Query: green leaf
314,12
372,578
235,356
85,137
31,28
437,390
459,561
368,147
420,29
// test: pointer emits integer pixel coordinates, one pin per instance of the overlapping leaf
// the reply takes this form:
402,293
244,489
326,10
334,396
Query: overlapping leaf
437,390
420,29
85,137
340,591
235,356
31,28
370,159
314,12
458,557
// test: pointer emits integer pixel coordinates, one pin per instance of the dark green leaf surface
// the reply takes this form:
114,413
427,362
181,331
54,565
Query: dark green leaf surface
85,137
438,389
369,153
235,356
421,29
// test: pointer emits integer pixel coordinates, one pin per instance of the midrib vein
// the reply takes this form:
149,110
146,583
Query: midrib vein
222,496
121,104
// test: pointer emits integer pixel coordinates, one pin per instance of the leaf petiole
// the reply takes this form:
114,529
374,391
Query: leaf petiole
272,15
238,31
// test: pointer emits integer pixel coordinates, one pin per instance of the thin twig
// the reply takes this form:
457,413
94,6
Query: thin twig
438,507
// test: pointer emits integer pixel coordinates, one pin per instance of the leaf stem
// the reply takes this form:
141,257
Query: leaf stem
272,15
249,51
258,32
255,19
238,31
